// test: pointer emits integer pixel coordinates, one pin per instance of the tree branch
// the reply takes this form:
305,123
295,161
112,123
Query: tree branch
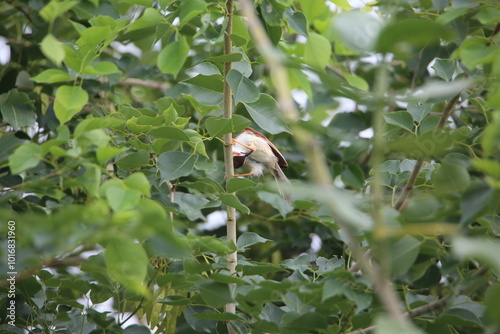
51,263
313,152
232,258
401,202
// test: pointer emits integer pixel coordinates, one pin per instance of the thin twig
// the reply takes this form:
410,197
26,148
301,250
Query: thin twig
448,109
232,258
171,189
21,9
51,263
405,193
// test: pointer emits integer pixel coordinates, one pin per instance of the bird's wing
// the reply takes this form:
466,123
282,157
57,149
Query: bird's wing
281,159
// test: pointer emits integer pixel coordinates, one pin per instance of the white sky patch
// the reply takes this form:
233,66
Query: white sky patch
127,48
4,51
316,243
368,133
215,220
300,97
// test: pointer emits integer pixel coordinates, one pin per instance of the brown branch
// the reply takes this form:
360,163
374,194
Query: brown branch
21,9
45,177
403,198
416,312
51,263
448,109
405,193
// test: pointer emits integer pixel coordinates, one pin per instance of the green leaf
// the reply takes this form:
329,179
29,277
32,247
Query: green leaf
317,51
150,17
243,89
402,119
357,82
238,183
25,157
475,51
265,112
419,111
69,101
226,278
215,294
233,201
229,58
174,300
342,4
248,239
173,56
488,166
134,160
101,68
173,165
405,36
303,322
121,199
126,263
91,179
190,9
313,9
51,76
491,302
53,49
488,15
276,201
55,8
404,253
218,126
357,30
331,288
475,199
451,177
386,325
104,153
445,68
18,115
240,122
139,182
212,83
297,21
480,248
169,132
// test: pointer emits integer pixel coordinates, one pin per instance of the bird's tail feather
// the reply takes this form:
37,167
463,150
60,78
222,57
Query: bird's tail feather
281,178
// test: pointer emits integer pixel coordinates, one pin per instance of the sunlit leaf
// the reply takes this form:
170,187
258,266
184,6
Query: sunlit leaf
317,51
172,57
126,263
25,157
69,101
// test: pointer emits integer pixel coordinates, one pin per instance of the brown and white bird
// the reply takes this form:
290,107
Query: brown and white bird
254,151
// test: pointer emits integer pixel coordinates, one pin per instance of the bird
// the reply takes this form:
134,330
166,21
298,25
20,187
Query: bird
254,151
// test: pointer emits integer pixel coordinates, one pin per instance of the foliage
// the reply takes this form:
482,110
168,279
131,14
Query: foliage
111,124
